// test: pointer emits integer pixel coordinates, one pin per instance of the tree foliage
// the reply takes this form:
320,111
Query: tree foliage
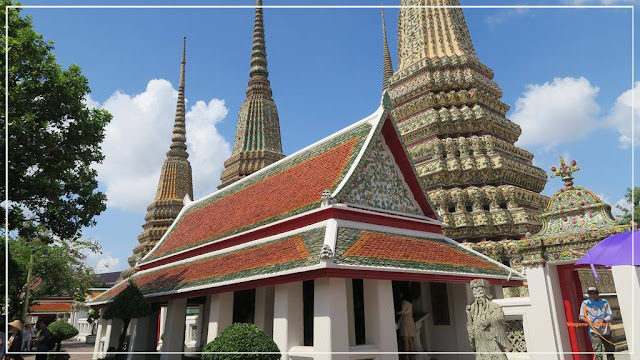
633,205
61,331
128,304
241,338
54,138
59,269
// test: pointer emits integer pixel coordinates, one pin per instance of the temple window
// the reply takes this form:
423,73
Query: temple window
469,208
244,306
358,310
307,312
486,207
452,209
503,205
440,304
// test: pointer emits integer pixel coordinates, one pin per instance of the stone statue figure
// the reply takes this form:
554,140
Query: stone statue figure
485,324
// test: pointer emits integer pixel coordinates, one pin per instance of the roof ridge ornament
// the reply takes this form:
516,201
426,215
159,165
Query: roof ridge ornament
326,197
326,253
565,171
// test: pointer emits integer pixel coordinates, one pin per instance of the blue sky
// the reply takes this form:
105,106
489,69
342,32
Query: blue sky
566,73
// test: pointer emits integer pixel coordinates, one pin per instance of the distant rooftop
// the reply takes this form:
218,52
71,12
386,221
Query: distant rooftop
109,278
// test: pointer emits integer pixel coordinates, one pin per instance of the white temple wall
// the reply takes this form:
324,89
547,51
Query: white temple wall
330,328
219,311
288,317
547,332
173,340
263,316
380,325
627,282
444,336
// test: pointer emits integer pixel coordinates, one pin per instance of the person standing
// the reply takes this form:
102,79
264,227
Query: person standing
407,326
43,340
27,335
15,341
596,311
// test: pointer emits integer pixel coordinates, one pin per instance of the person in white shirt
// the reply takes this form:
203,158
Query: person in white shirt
596,311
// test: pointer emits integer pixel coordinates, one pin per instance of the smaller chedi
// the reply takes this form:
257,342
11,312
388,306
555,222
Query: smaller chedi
485,324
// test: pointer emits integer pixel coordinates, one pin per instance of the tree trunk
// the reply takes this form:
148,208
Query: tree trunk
123,333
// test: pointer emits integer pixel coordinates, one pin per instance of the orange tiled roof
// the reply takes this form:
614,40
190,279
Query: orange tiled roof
294,185
282,254
50,307
373,248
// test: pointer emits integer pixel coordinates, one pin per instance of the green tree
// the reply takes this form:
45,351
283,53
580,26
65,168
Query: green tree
59,269
128,304
631,199
54,138
241,338
61,330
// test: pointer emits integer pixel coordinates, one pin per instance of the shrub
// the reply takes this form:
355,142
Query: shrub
128,304
58,356
61,331
241,338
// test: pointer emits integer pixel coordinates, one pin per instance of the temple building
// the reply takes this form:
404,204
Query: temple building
334,234
257,143
174,185
448,110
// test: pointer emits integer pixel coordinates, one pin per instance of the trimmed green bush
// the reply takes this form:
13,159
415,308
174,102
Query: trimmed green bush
241,338
58,356
61,331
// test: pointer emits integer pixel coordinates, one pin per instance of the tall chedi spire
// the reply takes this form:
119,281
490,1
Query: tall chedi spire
174,185
449,113
387,66
257,143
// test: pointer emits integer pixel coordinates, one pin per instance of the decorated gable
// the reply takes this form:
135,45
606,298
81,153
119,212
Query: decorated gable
378,182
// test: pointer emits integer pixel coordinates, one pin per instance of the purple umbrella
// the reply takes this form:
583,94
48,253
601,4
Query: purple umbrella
615,250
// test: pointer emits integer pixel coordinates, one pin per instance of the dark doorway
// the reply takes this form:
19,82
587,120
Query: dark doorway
244,306
307,312
358,310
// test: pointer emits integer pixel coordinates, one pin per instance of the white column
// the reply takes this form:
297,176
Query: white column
627,282
174,329
287,317
330,328
546,331
351,313
219,312
112,334
97,349
163,320
139,330
462,296
379,317
263,317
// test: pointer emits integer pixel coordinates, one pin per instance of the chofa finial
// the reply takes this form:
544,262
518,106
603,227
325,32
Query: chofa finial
565,171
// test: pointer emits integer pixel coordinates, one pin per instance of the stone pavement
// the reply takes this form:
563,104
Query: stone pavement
73,346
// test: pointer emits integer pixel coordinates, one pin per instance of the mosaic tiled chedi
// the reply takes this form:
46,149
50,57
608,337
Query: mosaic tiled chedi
452,120
293,186
382,249
295,251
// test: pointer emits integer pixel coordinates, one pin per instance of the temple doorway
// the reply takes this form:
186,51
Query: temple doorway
244,306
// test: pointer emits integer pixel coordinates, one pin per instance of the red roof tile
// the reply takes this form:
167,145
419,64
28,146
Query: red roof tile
262,258
50,307
292,186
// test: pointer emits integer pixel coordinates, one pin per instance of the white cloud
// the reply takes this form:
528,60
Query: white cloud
620,117
555,112
139,136
103,262
500,16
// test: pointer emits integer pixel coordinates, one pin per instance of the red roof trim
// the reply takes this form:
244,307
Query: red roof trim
296,223
399,153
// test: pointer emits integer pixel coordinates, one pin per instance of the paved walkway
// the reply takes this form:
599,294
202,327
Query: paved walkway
71,347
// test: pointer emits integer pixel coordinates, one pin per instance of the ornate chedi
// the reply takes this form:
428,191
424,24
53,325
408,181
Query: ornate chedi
257,143
449,112
574,220
175,183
